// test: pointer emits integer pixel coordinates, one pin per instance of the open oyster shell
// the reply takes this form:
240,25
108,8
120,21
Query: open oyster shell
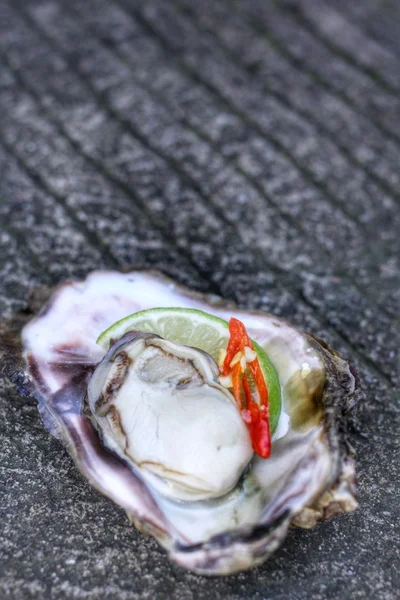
310,475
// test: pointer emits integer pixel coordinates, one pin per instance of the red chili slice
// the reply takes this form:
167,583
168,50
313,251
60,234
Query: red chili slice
255,415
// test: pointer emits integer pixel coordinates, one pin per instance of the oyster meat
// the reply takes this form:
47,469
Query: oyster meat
159,406
150,426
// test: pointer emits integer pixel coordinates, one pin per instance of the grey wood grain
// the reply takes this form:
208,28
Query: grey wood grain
249,149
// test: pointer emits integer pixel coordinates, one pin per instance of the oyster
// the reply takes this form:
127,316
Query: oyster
223,514
159,406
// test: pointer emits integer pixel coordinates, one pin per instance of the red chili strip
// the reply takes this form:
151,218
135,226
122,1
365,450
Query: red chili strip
236,382
255,415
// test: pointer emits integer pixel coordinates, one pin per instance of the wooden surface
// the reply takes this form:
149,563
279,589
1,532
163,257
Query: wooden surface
248,149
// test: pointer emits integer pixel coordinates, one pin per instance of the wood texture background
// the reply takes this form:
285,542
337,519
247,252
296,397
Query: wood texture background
249,149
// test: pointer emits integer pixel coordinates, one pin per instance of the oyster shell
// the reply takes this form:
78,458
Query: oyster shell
311,472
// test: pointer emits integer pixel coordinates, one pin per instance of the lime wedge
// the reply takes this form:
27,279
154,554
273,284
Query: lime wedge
198,329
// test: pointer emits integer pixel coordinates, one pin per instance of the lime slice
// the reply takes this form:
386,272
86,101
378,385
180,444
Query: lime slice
198,329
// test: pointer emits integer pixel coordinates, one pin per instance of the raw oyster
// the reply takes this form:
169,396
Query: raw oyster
178,422
310,475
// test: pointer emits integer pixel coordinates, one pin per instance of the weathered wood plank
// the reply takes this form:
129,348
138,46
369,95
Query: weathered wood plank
245,149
